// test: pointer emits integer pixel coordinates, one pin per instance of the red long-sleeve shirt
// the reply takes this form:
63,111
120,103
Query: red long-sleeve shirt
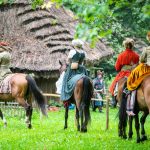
127,57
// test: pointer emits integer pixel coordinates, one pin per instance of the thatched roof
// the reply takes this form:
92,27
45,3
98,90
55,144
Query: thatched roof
39,38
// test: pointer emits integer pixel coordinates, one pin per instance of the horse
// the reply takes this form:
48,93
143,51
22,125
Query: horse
142,103
81,97
118,99
22,88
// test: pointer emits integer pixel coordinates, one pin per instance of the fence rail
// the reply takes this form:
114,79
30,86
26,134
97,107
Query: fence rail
107,100
12,109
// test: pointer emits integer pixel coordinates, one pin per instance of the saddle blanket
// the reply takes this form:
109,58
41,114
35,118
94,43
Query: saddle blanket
137,76
5,85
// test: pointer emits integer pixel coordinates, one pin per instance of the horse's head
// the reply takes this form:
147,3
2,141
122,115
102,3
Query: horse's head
63,66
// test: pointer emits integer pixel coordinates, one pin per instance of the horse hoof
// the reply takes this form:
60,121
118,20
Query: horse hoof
120,134
83,130
29,126
138,141
144,137
124,137
65,128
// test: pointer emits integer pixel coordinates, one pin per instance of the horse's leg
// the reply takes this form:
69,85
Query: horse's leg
86,115
142,121
77,96
3,118
130,127
120,133
28,109
82,119
77,119
124,133
66,117
137,127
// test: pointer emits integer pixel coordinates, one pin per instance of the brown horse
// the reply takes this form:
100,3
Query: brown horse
22,88
142,104
81,97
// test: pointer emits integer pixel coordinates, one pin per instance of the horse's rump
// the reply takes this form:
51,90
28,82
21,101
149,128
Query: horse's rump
69,86
143,94
5,84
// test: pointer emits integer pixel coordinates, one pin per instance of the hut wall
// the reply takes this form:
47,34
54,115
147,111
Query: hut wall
47,86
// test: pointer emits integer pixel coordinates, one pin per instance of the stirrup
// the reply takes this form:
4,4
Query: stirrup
126,91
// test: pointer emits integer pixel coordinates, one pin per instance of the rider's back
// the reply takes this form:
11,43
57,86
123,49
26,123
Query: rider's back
127,57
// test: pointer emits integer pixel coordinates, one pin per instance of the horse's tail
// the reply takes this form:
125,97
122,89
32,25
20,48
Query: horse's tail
122,111
39,98
86,98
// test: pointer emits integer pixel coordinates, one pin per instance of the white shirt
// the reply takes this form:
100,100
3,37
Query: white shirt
59,83
73,52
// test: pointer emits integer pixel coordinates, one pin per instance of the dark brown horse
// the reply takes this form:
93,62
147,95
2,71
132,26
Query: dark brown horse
81,97
118,99
142,104
22,88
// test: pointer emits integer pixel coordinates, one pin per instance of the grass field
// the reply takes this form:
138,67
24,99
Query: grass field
48,134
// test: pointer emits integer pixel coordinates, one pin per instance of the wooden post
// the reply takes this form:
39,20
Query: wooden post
107,112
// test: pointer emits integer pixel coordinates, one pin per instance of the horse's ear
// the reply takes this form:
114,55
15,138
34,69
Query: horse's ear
60,62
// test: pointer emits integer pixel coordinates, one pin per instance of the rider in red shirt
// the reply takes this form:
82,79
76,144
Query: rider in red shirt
125,62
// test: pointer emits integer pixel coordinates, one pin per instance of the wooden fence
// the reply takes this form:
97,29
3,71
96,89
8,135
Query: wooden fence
12,109
106,100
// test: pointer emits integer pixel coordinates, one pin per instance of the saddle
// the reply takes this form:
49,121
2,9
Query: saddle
5,85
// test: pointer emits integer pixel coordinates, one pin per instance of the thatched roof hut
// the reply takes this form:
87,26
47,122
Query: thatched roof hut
39,38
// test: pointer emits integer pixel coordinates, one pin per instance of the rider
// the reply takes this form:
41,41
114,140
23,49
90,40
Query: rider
5,58
75,69
124,64
138,74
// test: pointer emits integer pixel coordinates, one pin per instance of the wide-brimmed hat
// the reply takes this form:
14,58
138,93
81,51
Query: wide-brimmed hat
128,41
77,43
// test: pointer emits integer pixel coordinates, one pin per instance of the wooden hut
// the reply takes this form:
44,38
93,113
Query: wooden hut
40,38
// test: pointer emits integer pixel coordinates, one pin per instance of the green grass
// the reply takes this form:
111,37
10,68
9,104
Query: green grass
48,134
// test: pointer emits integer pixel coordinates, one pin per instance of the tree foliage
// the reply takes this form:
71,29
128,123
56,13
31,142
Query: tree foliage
112,19
109,18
